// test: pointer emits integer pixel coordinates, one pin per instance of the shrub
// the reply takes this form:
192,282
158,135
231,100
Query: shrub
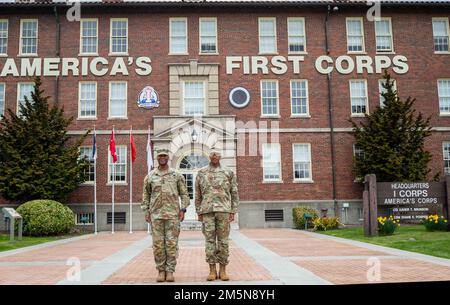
435,223
327,223
387,226
298,216
46,217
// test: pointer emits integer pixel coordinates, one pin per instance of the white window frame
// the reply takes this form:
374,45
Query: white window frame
380,88
446,19
81,37
200,36
310,179
389,19
78,216
111,52
110,117
2,110
183,94
88,182
304,35
22,21
446,169
274,20
354,150
117,163
80,117
186,39
7,37
19,97
363,51
279,163
276,115
299,115
439,97
367,97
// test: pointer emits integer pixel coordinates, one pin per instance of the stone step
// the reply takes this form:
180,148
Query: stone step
191,225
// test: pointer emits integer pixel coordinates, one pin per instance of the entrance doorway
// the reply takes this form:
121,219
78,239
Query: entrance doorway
188,167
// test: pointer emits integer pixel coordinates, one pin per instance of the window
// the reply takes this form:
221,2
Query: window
117,99
296,35
28,37
271,162
86,151
355,35
89,32
178,36
269,97
381,89
120,167
2,99
299,97
444,95
441,34
84,219
24,90
194,97
446,150
3,37
208,35
358,152
358,97
302,162
383,33
119,36
267,36
87,100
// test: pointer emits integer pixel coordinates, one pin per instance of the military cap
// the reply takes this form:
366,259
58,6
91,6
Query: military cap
162,151
216,151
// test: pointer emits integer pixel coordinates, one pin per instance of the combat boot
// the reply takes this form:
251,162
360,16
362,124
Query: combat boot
161,276
169,277
223,273
212,272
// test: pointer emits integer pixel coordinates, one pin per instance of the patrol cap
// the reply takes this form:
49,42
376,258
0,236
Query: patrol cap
216,151
162,151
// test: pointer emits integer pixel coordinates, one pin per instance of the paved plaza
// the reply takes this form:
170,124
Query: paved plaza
257,256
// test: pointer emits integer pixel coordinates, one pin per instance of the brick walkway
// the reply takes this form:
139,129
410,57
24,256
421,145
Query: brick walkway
257,256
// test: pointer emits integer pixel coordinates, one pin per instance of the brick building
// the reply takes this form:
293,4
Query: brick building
271,83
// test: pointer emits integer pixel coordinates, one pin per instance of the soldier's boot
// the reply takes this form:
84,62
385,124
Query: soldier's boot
161,276
169,277
223,273
212,272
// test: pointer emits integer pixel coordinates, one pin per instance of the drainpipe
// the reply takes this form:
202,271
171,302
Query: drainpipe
58,50
330,116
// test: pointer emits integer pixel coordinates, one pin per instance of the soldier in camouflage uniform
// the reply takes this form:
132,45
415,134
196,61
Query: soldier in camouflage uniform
162,188
216,202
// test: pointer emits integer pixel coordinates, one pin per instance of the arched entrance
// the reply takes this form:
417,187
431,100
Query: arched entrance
188,166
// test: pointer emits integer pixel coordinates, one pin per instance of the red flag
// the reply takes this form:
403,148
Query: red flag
112,147
133,147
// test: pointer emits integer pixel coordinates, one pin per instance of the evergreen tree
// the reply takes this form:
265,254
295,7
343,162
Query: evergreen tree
37,160
392,140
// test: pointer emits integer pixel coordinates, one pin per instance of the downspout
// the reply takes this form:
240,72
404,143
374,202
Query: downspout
330,116
58,50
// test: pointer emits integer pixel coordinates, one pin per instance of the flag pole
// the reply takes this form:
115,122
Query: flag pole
131,183
148,169
95,182
114,178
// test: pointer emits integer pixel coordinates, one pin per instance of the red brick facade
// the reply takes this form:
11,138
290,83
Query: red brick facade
148,35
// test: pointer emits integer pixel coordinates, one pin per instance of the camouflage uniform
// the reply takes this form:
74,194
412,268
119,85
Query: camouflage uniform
216,197
160,201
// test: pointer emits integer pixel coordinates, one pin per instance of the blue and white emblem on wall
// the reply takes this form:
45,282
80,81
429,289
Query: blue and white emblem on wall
148,98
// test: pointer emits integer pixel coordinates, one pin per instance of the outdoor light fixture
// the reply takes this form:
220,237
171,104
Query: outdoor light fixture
194,136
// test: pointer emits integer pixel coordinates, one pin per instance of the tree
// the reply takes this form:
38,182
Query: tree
37,160
392,140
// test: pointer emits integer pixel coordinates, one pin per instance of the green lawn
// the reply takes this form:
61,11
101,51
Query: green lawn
26,241
407,237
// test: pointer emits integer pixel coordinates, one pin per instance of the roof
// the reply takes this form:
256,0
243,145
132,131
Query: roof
220,2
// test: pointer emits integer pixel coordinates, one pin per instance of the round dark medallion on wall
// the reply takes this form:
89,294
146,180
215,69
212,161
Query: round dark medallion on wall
239,97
